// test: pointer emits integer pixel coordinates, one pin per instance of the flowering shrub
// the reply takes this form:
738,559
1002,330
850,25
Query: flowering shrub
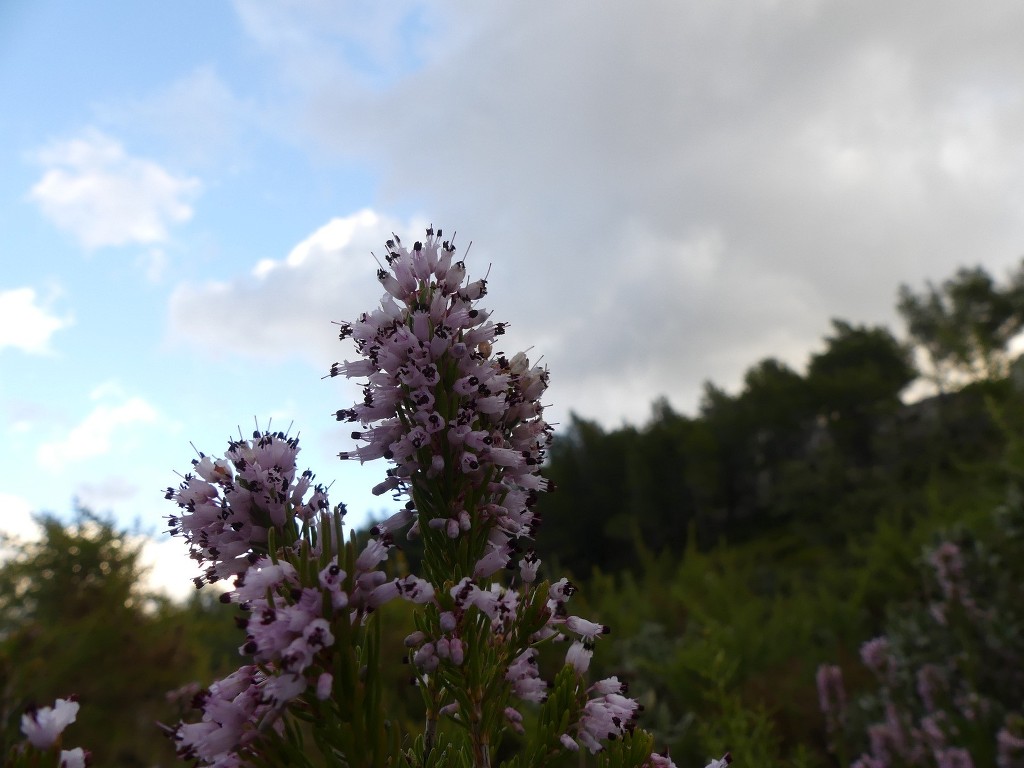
950,669
462,428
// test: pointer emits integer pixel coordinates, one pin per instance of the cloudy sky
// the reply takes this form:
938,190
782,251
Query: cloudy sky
664,192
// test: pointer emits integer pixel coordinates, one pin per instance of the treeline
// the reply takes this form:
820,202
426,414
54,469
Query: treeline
783,527
815,452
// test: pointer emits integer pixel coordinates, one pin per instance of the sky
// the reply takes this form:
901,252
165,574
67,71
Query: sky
660,193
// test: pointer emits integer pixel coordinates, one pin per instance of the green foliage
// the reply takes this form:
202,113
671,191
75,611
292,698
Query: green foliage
721,644
965,326
948,665
74,620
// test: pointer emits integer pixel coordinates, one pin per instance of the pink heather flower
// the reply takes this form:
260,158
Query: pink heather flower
886,740
43,726
877,655
263,575
606,686
528,567
657,760
281,689
569,743
231,709
525,677
374,553
605,717
323,686
444,648
437,399
561,591
414,639
721,763
332,581
1010,746
954,757
228,505
831,694
73,758
588,630
493,561
578,656
416,590
426,657
457,651
930,682
931,729
448,621
515,720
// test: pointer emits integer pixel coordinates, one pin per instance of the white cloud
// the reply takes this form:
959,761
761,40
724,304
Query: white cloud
26,323
105,197
169,569
316,43
94,435
16,518
284,308
107,493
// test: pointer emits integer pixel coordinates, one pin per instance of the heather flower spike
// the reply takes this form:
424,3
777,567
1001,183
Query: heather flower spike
461,426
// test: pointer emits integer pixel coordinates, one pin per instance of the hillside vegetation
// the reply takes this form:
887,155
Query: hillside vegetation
742,555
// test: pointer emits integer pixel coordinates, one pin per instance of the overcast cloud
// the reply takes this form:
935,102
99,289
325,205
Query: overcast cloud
671,191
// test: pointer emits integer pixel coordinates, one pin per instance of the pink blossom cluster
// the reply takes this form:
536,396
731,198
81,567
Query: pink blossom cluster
463,428
948,564
289,634
462,425
229,505
947,670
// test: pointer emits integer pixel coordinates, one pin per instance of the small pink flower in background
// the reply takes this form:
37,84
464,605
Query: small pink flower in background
954,757
1010,743
831,694
43,726
949,568
877,656
930,682
723,762
74,758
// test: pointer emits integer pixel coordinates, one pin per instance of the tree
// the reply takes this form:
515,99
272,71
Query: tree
930,326
856,381
74,620
968,324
